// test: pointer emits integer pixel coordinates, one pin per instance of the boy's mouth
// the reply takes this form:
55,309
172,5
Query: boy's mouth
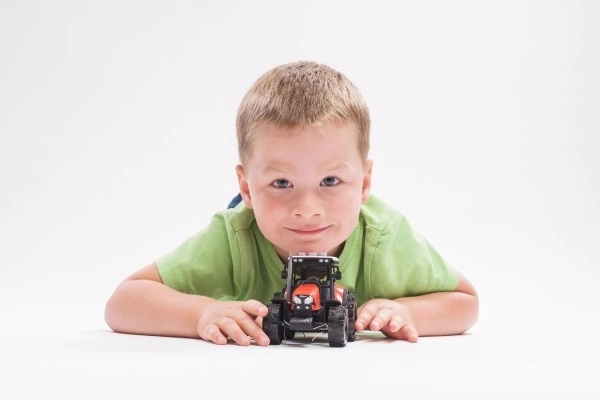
307,231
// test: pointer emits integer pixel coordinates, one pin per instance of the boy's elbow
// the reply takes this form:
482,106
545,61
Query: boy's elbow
469,303
124,304
472,311
115,310
111,314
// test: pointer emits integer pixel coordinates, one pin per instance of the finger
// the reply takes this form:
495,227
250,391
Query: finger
231,328
396,323
409,333
255,308
381,319
400,328
253,329
363,318
212,333
250,325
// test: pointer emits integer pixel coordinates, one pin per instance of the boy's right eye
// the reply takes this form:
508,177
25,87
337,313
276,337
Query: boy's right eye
281,183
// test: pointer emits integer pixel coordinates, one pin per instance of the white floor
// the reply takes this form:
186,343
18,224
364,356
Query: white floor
69,353
117,142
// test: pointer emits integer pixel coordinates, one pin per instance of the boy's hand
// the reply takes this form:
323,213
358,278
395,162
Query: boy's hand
239,320
387,316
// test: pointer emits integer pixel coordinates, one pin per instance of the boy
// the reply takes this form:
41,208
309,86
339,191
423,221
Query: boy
304,179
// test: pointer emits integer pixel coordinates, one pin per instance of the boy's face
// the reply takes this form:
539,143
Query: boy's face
305,185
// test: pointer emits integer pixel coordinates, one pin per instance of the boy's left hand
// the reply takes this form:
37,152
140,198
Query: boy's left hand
387,316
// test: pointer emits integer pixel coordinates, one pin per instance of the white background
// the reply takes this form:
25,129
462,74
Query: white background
117,141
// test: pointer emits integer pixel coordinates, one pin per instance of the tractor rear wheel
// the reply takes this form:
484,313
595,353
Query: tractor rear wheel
351,305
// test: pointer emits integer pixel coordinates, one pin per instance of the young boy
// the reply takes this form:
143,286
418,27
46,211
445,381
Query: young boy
304,180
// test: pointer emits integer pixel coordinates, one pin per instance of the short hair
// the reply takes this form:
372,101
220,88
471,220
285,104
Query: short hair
301,93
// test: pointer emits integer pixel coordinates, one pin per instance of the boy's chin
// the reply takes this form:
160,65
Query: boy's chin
312,249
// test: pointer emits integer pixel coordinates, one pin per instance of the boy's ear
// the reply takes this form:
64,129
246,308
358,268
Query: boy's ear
243,184
366,186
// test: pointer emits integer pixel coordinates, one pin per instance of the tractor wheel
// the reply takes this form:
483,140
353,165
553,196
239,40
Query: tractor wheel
351,305
337,327
288,334
273,324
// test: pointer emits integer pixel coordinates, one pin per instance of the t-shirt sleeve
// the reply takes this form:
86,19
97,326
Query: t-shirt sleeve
406,264
202,264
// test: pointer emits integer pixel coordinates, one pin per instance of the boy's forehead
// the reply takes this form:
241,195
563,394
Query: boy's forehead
342,130
337,136
332,146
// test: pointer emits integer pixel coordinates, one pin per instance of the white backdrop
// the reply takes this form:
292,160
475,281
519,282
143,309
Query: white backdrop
117,135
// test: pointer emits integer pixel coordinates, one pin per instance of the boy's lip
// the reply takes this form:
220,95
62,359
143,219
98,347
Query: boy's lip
308,230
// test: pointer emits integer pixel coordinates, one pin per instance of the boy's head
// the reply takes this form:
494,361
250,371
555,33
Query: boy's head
301,93
303,133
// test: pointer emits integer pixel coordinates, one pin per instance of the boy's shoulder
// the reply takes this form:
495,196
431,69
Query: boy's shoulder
239,217
378,214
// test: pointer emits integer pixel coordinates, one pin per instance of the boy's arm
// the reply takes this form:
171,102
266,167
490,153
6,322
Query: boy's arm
142,304
433,314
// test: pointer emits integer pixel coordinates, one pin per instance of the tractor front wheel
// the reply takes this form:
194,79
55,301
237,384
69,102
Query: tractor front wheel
273,323
337,326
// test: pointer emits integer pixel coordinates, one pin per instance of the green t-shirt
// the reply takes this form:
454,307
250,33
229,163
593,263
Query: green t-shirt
230,259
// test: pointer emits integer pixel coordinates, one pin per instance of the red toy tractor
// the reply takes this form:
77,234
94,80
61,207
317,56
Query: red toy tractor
311,301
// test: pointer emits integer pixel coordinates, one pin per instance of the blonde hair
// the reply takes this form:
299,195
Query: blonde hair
301,93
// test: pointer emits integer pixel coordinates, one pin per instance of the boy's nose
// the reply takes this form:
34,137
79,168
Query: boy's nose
307,205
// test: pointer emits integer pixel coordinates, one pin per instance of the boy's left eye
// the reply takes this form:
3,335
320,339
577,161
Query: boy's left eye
330,181
281,183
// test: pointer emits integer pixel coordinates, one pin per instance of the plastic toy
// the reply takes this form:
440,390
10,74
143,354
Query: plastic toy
311,301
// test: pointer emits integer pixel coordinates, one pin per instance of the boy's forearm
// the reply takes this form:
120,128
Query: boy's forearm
442,313
151,308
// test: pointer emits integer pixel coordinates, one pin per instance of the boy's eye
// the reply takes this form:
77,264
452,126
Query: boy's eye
330,181
281,183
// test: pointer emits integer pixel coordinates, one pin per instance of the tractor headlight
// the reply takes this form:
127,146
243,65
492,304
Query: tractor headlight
303,299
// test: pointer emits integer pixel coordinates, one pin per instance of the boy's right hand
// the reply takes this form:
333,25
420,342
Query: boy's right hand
239,320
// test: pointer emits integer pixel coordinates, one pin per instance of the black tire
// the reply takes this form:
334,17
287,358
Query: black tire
288,333
351,305
273,324
337,326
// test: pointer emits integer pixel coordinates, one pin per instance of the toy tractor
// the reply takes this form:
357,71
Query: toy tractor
311,301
